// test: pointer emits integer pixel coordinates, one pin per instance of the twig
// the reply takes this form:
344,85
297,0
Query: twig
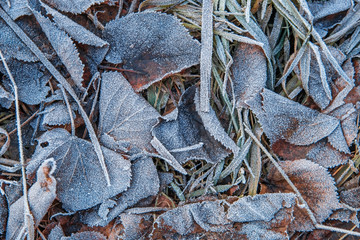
335,229
28,218
32,46
206,54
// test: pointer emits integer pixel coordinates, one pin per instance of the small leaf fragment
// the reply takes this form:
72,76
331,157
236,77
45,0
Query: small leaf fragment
87,235
81,184
76,7
56,114
152,44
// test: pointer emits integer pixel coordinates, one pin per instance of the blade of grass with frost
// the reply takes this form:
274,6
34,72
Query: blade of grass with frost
57,75
324,81
255,163
206,54
28,218
305,69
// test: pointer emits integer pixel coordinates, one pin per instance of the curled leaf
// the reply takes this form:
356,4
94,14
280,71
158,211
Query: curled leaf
81,184
153,45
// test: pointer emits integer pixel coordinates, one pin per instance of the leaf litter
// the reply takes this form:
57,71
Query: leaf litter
169,168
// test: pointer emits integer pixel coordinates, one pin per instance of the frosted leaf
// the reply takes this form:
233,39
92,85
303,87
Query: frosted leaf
88,235
18,8
188,130
328,13
338,141
351,197
56,233
76,7
6,99
209,215
345,215
40,196
3,214
12,46
30,79
261,207
282,118
153,44
144,183
249,72
56,114
64,47
135,226
124,115
315,185
81,184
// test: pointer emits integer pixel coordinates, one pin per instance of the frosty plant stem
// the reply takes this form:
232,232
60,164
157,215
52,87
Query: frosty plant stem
57,75
28,218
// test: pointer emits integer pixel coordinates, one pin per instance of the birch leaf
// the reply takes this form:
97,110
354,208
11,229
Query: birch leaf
315,185
154,45
81,184
124,115
187,138
40,196
64,47
249,72
145,183
30,79
284,119
75,7
56,114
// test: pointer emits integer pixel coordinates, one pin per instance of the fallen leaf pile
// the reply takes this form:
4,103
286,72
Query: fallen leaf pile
104,133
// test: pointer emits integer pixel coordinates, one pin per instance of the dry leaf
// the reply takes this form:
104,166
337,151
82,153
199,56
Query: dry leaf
249,72
6,99
18,8
3,214
145,183
315,185
40,196
88,235
187,138
57,114
76,7
81,183
154,45
135,226
56,233
125,116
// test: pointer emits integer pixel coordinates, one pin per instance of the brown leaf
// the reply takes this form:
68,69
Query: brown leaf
249,72
315,185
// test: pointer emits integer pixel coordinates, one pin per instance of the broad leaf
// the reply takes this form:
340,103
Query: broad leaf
88,235
30,79
76,7
40,196
284,119
144,183
124,115
249,72
316,186
56,114
81,184
187,137
64,47
56,233
18,8
135,226
152,44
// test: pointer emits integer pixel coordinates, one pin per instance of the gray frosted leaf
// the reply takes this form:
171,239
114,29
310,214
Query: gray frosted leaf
64,47
338,141
261,207
153,44
30,79
40,196
6,99
327,156
3,214
134,225
56,114
81,184
124,115
12,46
87,235
76,7
56,233
249,72
282,118
210,216
18,8
145,183
187,138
